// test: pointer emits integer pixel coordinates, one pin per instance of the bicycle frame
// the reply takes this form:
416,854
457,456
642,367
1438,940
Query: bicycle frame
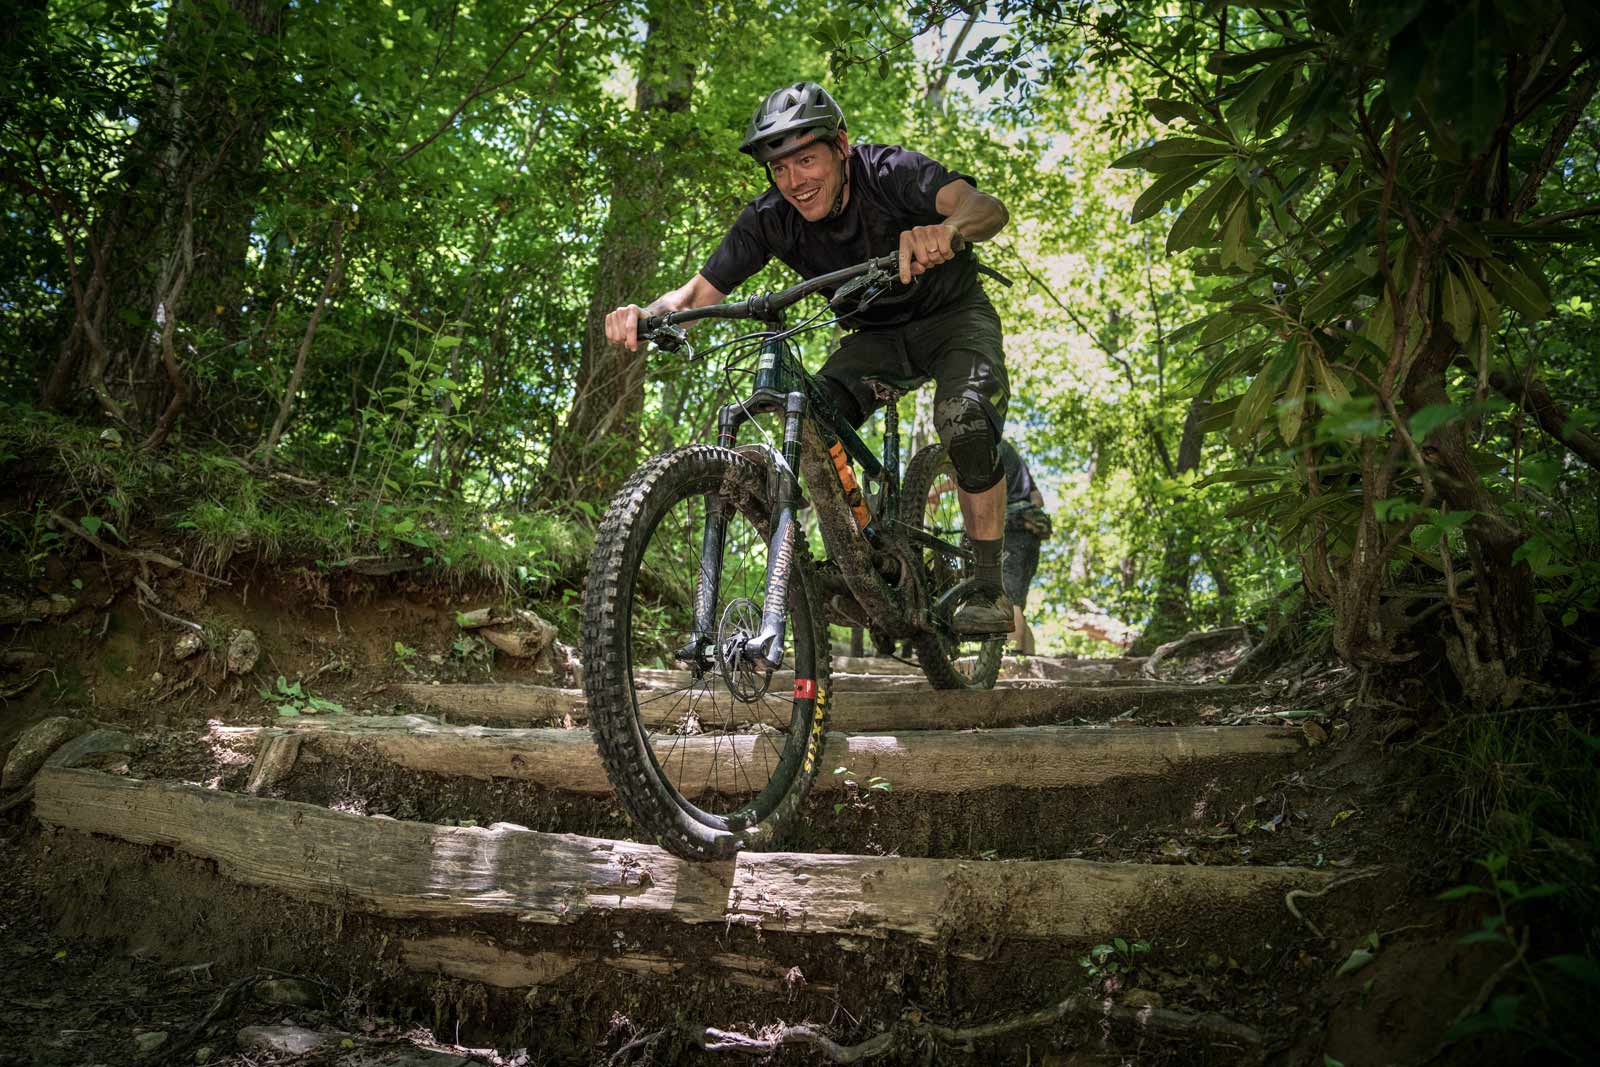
783,386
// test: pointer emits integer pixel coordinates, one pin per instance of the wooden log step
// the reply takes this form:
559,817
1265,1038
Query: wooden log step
657,678
922,709
929,761
409,869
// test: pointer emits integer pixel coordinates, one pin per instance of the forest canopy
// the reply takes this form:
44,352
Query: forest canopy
1303,320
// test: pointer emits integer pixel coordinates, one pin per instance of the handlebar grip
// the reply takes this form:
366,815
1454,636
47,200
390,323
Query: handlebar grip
647,326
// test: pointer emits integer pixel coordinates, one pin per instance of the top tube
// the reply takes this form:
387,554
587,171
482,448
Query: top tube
766,306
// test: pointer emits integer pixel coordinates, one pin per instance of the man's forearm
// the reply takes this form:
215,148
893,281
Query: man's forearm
979,218
695,293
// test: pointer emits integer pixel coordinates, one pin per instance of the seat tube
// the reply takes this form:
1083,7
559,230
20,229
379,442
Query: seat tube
768,645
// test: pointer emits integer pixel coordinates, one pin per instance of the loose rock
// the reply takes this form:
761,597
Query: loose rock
187,645
35,746
149,1042
293,1040
243,651
1142,998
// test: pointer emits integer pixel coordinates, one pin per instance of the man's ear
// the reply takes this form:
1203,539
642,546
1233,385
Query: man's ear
843,144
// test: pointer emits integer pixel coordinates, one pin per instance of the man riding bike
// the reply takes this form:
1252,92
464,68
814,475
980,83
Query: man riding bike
832,205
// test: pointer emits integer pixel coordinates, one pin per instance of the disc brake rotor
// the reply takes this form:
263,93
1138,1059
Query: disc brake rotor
741,620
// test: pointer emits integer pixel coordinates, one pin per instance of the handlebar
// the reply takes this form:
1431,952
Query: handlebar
767,305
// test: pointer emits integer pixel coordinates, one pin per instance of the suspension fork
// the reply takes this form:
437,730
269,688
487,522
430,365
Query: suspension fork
765,649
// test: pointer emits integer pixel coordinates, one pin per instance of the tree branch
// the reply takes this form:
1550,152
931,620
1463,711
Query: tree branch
1533,397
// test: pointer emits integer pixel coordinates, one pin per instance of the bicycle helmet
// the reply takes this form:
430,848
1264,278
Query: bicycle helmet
791,117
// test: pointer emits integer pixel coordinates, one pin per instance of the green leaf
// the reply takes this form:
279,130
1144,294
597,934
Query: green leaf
1484,937
1179,153
1461,892
1513,286
1430,418
1165,111
1357,959
1241,114
288,710
1333,296
1487,307
90,523
447,340
1583,968
1238,62
1328,381
1457,306
1234,233
1167,187
1257,400
1194,223
1294,404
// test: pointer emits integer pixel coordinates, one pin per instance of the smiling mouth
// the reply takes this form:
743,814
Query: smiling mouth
807,198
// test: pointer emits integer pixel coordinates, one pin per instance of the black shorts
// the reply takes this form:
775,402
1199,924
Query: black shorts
1019,565
962,350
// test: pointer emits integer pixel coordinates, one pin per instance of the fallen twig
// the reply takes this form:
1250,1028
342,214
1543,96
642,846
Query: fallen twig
138,555
145,605
1163,1021
1294,894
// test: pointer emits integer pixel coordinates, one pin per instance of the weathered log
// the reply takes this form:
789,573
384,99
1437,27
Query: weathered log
410,869
929,761
275,759
913,709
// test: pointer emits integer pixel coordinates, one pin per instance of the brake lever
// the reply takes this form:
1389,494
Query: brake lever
873,278
671,338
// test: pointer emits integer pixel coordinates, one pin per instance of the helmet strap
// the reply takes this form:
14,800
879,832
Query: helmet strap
838,198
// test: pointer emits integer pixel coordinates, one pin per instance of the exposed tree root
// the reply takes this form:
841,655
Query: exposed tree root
1294,894
1163,1022
138,555
1190,641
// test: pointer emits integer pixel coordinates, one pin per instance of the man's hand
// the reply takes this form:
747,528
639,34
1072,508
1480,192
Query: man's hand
622,326
1036,520
922,247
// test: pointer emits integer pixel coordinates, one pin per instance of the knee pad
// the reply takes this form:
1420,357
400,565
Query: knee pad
971,440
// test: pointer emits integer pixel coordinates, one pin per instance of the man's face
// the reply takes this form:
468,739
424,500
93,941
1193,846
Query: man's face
810,177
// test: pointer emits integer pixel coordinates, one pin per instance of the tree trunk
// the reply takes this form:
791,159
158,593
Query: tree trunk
597,446
1502,632
191,168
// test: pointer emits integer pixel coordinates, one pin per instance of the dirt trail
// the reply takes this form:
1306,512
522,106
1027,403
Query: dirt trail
1083,866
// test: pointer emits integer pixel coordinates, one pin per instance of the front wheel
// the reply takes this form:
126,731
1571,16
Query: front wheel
928,501
706,756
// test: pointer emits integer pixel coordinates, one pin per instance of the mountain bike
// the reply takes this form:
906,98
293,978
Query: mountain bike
702,587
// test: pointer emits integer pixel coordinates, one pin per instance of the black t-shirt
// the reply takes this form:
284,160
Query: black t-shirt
1019,480
891,190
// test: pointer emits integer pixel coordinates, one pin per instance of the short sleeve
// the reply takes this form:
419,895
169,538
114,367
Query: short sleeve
914,180
741,253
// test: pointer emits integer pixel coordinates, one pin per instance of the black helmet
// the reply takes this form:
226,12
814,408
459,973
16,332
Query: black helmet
790,117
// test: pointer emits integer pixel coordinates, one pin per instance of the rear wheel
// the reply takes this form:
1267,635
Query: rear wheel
708,757
928,501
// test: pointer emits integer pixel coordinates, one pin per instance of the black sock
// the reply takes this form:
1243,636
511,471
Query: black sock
986,562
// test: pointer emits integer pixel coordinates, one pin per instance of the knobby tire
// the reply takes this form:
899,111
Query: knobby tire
621,585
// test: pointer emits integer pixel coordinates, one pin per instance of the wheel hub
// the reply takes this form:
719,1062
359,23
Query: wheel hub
741,621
